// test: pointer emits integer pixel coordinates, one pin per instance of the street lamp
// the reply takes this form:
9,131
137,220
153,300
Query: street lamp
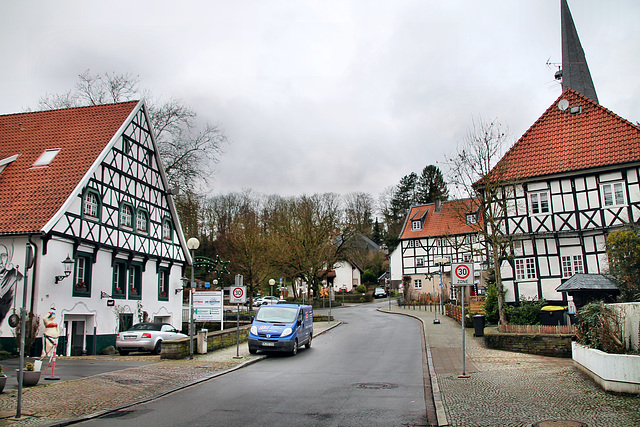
271,283
440,262
68,265
192,244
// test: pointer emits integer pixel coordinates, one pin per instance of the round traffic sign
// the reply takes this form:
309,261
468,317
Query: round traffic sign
462,271
238,292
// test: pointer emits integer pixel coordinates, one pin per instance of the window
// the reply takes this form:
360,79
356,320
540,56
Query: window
82,276
525,269
472,218
416,225
91,208
163,284
126,216
167,229
467,258
410,243
135,281
142,221
119,288
419,262
46,158
539,202
613,194
417,283
572,265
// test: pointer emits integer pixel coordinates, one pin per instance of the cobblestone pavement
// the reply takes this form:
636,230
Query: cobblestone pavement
61,402
512,389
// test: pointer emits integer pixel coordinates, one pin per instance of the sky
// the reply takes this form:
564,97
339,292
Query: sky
330,95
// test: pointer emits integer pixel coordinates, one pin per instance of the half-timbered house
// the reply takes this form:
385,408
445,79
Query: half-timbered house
87,186
433,237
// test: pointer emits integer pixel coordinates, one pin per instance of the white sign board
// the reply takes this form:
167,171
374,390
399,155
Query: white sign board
207,306
462,274
238,295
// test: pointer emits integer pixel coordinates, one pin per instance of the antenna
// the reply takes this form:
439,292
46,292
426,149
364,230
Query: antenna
558,73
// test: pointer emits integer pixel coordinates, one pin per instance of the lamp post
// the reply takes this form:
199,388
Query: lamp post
440,262
271,283
192,244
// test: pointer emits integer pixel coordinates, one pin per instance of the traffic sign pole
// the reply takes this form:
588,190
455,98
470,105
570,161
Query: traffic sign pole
462,276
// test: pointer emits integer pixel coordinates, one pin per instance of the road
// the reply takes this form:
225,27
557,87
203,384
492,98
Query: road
366,372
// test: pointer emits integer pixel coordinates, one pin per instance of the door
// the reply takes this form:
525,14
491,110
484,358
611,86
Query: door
77,337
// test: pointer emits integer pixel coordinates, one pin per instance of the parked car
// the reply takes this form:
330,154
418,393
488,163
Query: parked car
267,301
146,337
379,293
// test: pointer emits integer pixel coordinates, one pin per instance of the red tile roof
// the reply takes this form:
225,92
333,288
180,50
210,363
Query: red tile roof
450,220
31,196
560,141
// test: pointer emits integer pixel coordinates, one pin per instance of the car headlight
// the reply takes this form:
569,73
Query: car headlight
254,330
286,332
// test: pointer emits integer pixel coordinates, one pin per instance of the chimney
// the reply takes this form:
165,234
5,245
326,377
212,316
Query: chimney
438,204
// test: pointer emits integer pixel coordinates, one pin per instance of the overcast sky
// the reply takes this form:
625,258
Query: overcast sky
326,96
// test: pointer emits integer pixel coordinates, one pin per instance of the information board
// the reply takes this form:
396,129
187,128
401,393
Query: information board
207,306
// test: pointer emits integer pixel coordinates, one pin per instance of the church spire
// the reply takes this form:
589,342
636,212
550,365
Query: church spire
575,72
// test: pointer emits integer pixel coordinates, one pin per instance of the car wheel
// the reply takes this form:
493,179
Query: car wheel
294,350
158,348
308,344
123,352
252,350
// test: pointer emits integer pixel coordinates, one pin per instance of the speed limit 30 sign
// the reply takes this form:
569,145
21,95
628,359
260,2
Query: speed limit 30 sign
462,274
238,295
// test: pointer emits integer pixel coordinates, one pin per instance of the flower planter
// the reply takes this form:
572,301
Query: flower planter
3,382
30,378
619,373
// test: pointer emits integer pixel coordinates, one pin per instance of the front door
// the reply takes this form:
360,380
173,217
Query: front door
77,337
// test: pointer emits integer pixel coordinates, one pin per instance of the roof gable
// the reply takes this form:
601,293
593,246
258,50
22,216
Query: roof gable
582,136
30,196
449,220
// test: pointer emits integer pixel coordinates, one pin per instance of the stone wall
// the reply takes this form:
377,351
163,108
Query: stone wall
179,349
555,345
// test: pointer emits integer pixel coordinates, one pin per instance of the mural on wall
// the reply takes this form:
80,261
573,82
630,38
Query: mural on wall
9,277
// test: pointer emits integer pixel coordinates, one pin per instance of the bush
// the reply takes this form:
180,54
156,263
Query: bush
528,312
598,328
491,304
361,289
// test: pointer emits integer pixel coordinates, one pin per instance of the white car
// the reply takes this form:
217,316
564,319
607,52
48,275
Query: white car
146,337
267,301
379,293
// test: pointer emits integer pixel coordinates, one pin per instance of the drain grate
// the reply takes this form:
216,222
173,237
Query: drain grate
376,386
126,381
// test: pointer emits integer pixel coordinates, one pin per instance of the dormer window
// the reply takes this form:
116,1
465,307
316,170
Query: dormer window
416,225
5,162
472,218
46,158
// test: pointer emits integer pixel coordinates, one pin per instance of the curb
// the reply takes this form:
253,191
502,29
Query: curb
441,416
160,395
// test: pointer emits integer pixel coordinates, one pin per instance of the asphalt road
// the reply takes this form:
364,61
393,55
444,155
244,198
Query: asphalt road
366,372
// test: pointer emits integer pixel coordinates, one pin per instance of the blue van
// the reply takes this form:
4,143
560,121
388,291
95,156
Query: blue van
281,327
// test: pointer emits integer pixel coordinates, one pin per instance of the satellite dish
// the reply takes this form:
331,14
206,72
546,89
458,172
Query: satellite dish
563,105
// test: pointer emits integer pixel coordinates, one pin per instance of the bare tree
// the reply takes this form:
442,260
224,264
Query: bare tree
188,150
359,212
473,173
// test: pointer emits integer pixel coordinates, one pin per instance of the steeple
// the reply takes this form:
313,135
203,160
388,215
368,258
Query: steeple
575,72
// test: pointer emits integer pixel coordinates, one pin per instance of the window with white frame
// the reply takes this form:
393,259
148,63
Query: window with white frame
472,218
417,283
142,221
91,205
539,202
167,229
410,243
416,225
126,216
571,265
525,269
613,194
419,262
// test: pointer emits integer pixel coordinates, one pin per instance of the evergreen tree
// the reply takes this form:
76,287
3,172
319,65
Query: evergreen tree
431,185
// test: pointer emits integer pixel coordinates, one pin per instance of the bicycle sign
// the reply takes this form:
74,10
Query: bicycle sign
462,274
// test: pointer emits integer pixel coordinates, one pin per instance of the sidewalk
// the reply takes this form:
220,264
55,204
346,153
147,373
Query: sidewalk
511,389
60,403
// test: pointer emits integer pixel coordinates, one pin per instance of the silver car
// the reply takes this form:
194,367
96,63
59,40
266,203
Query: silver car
146,337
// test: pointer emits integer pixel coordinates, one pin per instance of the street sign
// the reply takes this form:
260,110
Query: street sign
462,274
238,295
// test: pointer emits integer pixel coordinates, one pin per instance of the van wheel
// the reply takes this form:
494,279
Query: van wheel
294,350
252,350
308,344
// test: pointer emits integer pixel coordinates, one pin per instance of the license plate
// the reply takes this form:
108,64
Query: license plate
129,337
268,344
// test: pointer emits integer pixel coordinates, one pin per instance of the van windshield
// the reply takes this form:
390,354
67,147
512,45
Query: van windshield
275,314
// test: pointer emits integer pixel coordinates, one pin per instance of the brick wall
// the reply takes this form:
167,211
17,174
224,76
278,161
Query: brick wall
179,349
555,345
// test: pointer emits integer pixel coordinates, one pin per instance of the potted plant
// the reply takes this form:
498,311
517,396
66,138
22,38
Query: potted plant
3,378
30,376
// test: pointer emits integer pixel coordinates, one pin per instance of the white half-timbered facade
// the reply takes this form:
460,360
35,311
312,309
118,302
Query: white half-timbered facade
576,177
87,183
433,237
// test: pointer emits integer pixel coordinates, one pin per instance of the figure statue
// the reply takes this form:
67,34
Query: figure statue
51,334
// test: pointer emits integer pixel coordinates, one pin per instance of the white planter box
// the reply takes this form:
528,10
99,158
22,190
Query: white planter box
618,373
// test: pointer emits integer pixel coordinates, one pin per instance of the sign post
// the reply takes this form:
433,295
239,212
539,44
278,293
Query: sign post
238,295
462,275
